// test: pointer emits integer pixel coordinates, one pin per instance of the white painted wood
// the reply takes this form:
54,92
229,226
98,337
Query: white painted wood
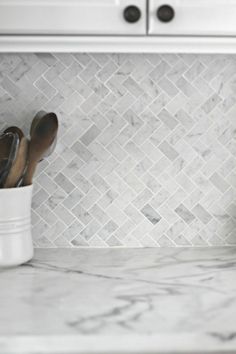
69,17
128,44
195,17
199,26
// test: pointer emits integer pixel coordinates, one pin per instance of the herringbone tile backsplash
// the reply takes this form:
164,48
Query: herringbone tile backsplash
146,149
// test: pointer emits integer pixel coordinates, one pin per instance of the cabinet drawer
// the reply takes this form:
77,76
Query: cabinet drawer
193,17
65,17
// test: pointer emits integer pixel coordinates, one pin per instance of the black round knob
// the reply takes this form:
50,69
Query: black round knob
132,14
165,13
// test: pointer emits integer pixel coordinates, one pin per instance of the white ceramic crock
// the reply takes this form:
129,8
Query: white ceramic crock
16,245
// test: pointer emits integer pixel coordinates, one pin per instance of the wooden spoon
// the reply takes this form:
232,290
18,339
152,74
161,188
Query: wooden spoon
34,123
18,166
42,137
36,120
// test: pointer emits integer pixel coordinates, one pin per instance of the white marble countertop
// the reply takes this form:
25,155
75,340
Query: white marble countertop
176,300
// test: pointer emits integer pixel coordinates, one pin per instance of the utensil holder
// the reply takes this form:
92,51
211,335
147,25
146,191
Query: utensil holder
16,246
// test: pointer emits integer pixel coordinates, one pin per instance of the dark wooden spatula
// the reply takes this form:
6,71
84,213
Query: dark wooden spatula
9,144
42,137
3,166
5,145
14,130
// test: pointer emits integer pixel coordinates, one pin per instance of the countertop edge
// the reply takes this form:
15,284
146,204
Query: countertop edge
163,343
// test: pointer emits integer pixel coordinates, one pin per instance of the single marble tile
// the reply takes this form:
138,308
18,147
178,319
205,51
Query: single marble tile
151,214
184,213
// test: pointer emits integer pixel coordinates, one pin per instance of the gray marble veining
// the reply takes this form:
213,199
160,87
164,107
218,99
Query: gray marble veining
171,300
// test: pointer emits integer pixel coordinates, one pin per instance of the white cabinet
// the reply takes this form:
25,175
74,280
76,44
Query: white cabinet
187,26
70,17
194,18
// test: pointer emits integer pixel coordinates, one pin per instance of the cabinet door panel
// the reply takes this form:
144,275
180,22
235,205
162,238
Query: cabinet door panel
65,17
195,17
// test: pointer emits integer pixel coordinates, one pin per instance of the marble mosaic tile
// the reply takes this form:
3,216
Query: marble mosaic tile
146,155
